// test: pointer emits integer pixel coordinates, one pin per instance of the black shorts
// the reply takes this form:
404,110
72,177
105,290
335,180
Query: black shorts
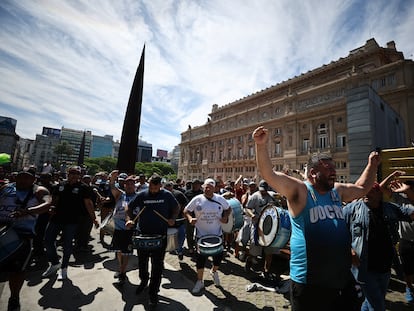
406,251
122,242
19,259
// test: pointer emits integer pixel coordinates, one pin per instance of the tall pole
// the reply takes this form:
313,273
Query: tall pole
129,139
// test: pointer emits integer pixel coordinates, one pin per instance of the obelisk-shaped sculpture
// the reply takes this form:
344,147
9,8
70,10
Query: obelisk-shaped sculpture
130,131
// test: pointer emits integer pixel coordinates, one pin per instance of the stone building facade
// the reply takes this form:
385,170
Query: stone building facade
346,108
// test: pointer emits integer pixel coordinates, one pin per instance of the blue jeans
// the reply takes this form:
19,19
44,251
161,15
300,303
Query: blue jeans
375,289
181,238
68,234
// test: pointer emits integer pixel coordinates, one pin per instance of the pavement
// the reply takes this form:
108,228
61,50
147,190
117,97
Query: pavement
91,286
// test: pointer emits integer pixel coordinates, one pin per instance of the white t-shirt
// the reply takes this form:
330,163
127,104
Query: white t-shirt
208,213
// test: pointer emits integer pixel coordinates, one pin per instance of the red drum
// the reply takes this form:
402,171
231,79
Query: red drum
274,227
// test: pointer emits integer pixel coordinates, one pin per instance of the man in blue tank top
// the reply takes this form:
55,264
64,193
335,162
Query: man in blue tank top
320,242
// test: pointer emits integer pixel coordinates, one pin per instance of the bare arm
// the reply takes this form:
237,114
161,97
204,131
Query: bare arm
292,188
114,190
364,183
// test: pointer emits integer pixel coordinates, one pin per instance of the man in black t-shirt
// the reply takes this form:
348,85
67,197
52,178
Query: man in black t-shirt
71,199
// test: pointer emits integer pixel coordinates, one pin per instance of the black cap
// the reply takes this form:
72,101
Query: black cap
155,179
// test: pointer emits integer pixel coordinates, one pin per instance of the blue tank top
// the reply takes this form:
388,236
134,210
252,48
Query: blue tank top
11,200
119,211
320,242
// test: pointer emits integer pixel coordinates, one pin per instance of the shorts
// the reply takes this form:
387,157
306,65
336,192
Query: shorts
122,242
19,260
256,250
406,251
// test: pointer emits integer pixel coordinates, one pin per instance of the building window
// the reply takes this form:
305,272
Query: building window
341,141
322,136
278,131
305,145
251,151
278,151
240,153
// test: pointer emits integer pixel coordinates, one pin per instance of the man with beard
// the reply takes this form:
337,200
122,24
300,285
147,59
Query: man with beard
320,242
157,209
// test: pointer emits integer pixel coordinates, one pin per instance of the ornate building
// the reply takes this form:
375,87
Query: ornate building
346,108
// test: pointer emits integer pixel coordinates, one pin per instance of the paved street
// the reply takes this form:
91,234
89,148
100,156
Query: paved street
91,286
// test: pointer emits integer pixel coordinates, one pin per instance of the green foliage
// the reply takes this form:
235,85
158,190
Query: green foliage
108,164
62,149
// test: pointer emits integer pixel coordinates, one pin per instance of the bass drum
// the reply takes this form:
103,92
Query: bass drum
274,227
235,218
10,242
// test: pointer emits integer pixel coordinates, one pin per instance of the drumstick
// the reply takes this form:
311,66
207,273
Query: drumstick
162,217
140,212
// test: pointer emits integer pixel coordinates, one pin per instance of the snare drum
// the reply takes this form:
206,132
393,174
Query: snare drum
147,242
10,242
274,227
172,239
210,245
235,218
108,225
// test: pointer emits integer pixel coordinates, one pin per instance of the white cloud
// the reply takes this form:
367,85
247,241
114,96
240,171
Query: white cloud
72,64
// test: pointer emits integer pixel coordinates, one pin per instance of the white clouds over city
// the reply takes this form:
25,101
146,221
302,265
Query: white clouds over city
72,63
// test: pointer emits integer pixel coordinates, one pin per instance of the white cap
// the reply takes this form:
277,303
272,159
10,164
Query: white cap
209,181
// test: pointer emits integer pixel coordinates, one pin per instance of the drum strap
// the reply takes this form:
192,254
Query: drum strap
212,200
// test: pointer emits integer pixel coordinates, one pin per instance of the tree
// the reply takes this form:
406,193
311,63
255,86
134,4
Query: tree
63,149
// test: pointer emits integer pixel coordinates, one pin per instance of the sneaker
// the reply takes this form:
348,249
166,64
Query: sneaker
14,304
180,256
409,295
51,270
199,285
62,274
215,277
116,275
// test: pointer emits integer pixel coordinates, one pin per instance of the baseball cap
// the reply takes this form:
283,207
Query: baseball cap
155,179
263,185
122,176
209,182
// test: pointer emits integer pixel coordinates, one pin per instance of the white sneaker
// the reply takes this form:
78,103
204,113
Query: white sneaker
215,277
62,274
51,270
199,285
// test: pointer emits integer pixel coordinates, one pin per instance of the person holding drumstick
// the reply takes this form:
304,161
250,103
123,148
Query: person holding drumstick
320,242
158,209
20,204
210,210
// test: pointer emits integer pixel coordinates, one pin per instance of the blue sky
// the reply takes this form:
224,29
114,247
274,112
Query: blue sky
72,63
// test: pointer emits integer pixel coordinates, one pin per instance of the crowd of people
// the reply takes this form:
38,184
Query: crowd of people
340,235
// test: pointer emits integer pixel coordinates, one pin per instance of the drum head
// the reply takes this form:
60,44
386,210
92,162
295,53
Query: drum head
268,225
210,241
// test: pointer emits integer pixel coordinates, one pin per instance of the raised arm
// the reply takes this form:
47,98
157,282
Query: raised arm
364,183
292,188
